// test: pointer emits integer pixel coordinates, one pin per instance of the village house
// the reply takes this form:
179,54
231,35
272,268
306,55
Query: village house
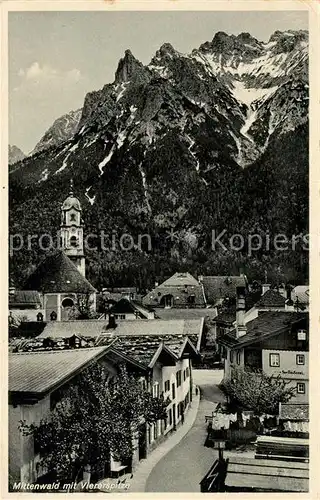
163,363
180,291
271,299
24,305
34,379
276,342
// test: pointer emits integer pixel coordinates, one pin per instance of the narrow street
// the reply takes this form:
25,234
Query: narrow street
182,469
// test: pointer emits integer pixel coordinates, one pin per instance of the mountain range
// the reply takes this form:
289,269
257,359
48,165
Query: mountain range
212,140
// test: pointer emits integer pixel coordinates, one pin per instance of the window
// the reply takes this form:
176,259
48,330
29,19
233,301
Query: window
167,386
155,430
274,360
170,416
73,241
302,335
173,391
143,384
178,376
300,359
238,357
231,357
184,375
301,388
187,372
72,217
155,390
67,302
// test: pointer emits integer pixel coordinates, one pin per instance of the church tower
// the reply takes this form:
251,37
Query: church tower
71,231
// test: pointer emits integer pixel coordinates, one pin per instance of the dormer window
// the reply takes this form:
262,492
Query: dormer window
302,335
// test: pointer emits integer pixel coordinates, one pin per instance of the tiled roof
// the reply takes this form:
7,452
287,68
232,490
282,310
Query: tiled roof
271,298
290,411
40,372
301,292
180,279
185,313
143,348
58,274
24,298
149,327
266,324
184,289
158,327
65,329
219,287
227,316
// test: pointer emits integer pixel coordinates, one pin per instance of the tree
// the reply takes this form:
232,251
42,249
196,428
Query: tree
82,308
254,390
93,418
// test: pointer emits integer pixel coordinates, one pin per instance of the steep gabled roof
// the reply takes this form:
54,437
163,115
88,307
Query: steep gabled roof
180,279
220,287
58,274
272,298
266,325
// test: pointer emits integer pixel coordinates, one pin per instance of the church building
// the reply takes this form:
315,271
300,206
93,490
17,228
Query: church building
60,278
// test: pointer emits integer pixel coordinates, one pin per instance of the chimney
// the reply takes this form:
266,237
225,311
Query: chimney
112,322
289,302
156,284
241,328
265,288
200,278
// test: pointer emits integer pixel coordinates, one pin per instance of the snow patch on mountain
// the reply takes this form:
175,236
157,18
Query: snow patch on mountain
91,199
64,164
104,162
44,175
248,95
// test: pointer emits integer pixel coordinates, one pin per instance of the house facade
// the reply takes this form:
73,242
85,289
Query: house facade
181,290
276,343
163,365
24,305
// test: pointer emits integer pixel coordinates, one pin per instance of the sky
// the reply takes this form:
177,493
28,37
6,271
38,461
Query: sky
55,58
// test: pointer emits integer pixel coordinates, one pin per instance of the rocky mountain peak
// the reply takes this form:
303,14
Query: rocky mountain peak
15,154
129,67
166,49
286,41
